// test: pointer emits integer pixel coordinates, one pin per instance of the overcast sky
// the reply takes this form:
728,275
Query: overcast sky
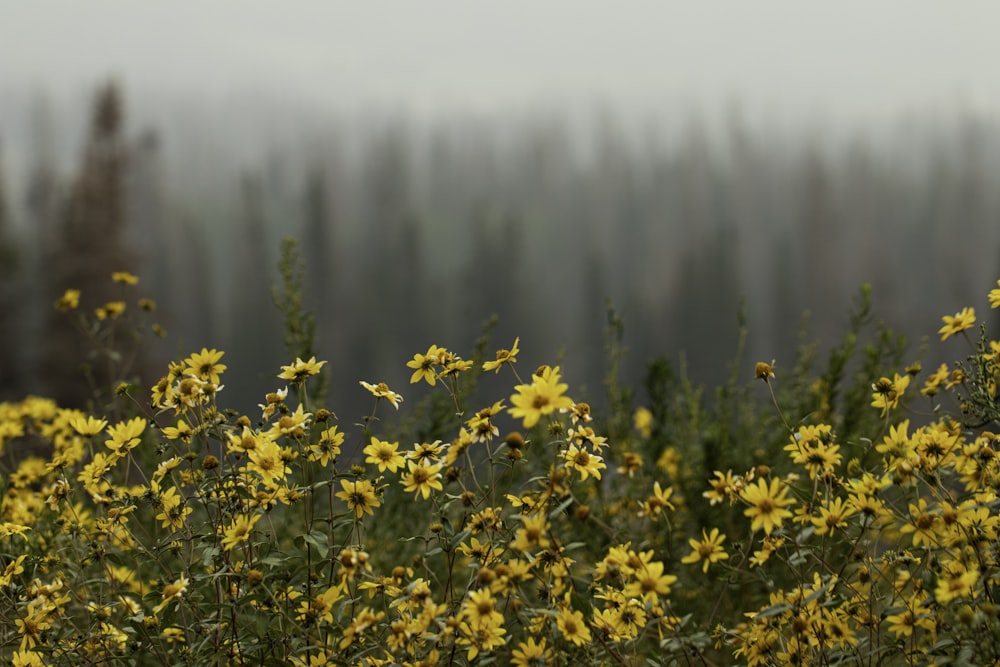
852,61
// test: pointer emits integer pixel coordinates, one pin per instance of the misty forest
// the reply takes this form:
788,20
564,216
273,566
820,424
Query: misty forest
414,233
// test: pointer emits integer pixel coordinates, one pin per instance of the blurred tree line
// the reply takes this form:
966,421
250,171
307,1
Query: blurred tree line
419,235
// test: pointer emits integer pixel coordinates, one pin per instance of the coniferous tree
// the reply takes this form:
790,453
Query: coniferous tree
320,250
148,231
10,302
89,243
389,268
252,329
41,205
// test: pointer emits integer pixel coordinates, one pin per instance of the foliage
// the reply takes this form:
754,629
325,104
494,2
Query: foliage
300,324
838,516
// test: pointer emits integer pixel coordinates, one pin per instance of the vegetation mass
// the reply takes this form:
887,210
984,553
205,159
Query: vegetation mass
834,512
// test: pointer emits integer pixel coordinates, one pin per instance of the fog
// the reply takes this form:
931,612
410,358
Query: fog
446,163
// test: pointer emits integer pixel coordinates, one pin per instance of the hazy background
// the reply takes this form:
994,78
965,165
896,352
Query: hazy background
443,162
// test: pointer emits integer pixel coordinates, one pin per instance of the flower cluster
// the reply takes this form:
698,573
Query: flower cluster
523,530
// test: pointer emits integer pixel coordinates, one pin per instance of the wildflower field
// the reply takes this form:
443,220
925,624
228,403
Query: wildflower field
815,511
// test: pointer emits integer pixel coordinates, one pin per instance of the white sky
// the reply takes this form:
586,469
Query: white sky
847,60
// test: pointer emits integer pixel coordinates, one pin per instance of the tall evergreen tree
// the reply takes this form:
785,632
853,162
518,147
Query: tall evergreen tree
317,242
252,329
10,303
389,268
89,244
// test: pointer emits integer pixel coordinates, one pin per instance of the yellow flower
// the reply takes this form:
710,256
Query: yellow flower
916,615
764,371
580,412
924,524
670,461
724,486
320,659
293,424
365,619
458,446
359,496
328,447
421,479
709,549
12,569
171,592
481,425
165,467
585,436
88,426
649,582
70,300
172,513
192,391
622,618
163,393
631,463
423,365
870,507
767,505
832,516
205,365
425,452
888,392
482,552
174,634
897,443
584,462
27,658
182,431
480,607
239,530
960,321
483,636
125,435
454,366
503,357
572,627
642,420
92,475
320,608
767,547
529,653
246,440
125,278
381,390
299,370
995,296
542,397
266,460
955,378
273,399
488,519
813,447
659,501
956,582
32,626
935,380
111,310
532,534
384,455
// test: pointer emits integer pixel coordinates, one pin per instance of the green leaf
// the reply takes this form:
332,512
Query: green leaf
773,610
561,507
319,541
458,539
